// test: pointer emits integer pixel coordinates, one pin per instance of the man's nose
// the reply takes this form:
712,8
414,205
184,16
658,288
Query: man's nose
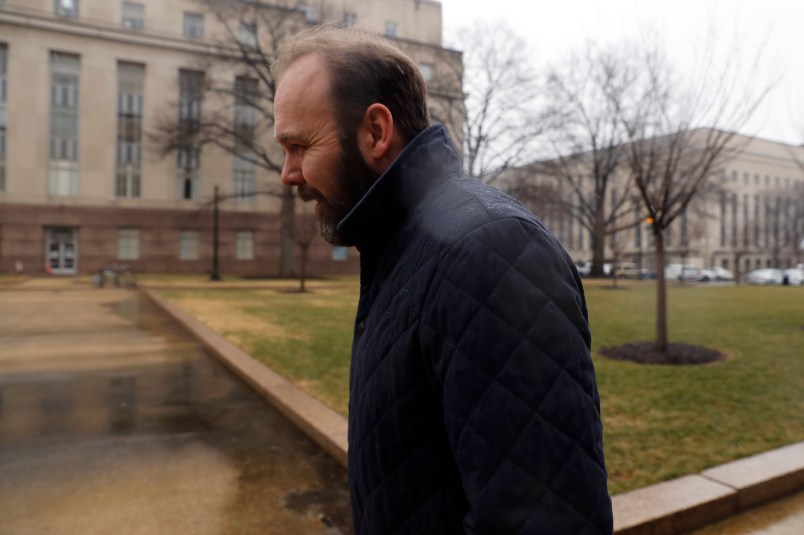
291,172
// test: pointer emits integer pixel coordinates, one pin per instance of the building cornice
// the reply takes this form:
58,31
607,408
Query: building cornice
82,28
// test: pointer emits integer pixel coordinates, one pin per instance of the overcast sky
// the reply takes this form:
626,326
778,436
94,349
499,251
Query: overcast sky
553,28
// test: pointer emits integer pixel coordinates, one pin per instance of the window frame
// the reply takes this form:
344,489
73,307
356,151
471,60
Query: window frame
193,25
128,243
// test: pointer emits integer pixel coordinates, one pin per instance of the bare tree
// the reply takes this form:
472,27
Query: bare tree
235,74
496,120
586,139
540,197
678,137
305,230
797,223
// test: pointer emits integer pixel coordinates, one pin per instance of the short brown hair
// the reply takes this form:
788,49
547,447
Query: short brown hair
364,68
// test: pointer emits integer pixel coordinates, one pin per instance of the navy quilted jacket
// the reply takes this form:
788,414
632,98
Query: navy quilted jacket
473,404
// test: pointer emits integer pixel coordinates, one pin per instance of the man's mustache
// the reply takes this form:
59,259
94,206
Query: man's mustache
308,193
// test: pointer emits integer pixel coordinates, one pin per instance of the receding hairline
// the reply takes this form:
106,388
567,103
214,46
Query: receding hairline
320,39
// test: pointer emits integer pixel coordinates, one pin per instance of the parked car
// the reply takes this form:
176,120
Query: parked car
627,270
646,274
584,268
715,274
793,276
765,276
681,272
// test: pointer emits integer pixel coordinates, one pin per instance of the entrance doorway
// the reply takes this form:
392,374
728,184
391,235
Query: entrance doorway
61,250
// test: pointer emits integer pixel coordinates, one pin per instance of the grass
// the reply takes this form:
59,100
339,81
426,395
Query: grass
660,421
304,337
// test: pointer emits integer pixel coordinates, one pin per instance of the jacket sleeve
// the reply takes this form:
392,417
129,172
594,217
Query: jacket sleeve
506,340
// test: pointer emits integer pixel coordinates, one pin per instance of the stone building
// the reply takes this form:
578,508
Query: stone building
749,215
84,85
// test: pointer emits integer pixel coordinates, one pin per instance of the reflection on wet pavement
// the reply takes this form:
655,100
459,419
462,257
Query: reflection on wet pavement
783,517
113,420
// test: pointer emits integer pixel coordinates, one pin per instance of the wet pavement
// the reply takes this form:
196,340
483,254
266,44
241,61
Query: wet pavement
782,517
114,420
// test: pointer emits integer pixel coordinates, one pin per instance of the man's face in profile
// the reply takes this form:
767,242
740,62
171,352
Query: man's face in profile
324,166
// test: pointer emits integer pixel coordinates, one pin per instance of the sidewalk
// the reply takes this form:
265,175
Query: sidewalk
113,419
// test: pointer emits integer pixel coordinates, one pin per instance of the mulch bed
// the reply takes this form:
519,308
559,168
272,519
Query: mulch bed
677,354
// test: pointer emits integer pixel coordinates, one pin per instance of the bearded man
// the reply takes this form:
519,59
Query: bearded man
473,402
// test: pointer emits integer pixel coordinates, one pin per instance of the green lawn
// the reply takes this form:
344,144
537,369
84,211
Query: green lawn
660,421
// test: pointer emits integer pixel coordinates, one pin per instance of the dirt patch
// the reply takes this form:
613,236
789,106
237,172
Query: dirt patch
677,354
225,318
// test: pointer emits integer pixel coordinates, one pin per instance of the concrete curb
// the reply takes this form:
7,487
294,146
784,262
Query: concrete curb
666,508
325,426
692,501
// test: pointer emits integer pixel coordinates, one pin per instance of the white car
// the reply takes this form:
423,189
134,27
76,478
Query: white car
793,276
765,276
715,274
681,272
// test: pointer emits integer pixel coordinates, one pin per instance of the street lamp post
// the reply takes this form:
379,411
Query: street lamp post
215,274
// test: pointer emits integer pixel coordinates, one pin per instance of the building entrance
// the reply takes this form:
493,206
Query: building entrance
61,250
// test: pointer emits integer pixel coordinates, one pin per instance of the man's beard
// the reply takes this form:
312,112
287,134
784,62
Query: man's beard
353,178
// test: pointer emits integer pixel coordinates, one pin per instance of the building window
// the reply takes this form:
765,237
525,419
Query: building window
746,222
188,155
243,177
723,214
571,229
247,34
349,18
668,236
188,245
427,70
66,8
685,235
193,25
130,82
309,13
757,215
63,172
340,254
128,244
133,15
390,29
245,121
3,104
245,245
734,220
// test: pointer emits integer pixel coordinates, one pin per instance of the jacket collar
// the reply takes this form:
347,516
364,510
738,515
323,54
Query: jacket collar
426,161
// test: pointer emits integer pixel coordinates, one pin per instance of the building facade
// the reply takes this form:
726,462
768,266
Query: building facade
84,87
749,214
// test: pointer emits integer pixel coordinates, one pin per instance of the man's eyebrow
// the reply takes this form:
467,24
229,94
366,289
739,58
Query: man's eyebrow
288,137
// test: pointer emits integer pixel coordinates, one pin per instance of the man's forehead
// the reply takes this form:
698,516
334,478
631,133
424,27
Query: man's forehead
302,89
307,70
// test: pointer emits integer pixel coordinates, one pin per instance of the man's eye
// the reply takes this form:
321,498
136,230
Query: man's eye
296,148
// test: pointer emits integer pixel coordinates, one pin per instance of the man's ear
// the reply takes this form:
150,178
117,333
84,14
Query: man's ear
377,137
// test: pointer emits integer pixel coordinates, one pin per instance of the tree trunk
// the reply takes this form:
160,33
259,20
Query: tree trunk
287,220
661,293
598,252
303,270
